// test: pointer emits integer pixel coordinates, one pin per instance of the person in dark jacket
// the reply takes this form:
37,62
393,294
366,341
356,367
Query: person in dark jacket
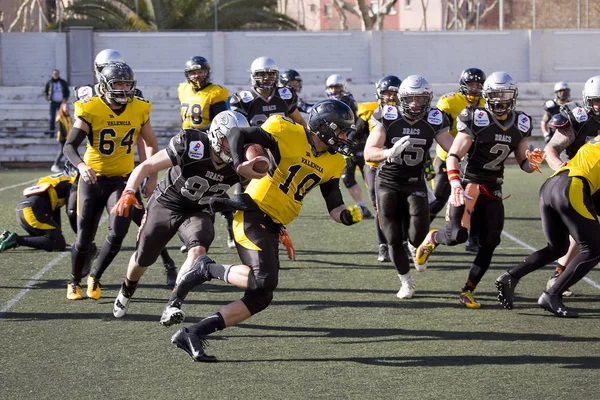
56,91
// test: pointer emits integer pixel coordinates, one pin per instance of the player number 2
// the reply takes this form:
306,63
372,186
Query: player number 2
195,187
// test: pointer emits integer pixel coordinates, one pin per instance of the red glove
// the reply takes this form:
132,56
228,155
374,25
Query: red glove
535,158
284,238
126,200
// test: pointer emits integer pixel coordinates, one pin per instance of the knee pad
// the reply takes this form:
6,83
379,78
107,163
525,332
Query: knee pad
458,236
257,300
348,179
268,283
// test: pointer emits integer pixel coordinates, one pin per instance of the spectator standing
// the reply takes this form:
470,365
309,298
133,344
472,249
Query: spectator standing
56,91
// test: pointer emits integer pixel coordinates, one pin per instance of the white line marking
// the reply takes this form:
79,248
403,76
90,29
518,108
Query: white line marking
528,247
18,184
37,277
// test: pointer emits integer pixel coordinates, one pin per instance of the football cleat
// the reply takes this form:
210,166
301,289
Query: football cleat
171,272
183,249
230,242
9,241
412,250
121,304
472,245
506,284
383,255
366,213
567,293
407,290
74,291
172,316
555,305
467,299
93,288
192,344
425,249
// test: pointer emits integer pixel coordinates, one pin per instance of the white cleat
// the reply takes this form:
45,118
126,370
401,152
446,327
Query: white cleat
121,305
231,243
407,290
413,255
172,316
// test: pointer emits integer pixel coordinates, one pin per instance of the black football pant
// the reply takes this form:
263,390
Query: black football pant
369,175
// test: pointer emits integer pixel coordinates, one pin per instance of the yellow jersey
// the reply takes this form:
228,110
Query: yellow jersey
586,164
281,192
452,104
195,105
364,112
57,186
112,135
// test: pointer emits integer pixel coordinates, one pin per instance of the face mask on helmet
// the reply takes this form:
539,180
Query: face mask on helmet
197,72
291,78
333,121
219,129
117,83
591,96
387,90
471,84
500,102
562,92
415,97
264,73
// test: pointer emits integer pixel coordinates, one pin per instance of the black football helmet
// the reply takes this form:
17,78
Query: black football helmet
326,117
115,73
193,64
290,75
471,75
389,83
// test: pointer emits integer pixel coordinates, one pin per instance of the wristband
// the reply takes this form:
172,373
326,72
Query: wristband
453,174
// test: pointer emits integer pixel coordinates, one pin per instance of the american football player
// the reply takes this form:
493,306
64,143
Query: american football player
562,95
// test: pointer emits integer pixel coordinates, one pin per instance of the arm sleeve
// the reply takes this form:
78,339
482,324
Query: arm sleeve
332,194
362,130
74,139
216,108
238,137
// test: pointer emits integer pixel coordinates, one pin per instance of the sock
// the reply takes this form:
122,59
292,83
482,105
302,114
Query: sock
469,287
166,258
361,204
405,277
108,252
208,325
129,287
36,242
219,271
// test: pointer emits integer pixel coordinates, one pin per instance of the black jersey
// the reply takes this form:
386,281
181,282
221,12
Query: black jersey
257,109
194,177
585,126
408,167
551,107
493,141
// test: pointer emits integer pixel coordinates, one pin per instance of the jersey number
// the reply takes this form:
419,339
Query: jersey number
412,155
494,165
106,143
195,187
305,185
193,111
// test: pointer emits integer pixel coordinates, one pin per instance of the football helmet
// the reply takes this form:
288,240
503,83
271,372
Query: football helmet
194,64
219,129
500,93
415,95
471,75
103,58
291,75
389,83
335,86
562,92
117,82
591,92
264,73
330,118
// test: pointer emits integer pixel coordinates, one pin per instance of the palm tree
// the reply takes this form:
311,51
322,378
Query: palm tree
157,15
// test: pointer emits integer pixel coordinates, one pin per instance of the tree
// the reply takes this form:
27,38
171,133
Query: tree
368,18
466,14
156,15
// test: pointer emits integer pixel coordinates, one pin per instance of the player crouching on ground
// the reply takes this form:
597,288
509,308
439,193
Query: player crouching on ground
302,160
199,168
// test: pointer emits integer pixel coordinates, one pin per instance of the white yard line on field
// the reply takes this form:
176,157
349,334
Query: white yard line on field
18,184
31,284
528,247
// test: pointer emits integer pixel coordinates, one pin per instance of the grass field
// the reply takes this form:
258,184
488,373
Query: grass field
334,331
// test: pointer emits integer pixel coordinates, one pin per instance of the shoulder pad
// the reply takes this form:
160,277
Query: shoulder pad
389,112
448,95
550,104
558,121
480,116
435,117
197,150
142,99
523,122
83,92
246,96
285,93
579,114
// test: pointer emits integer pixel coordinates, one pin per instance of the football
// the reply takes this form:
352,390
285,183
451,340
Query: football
257,151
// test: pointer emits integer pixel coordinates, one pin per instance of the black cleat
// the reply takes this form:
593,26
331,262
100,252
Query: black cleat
171,272
193,345
554,304
199,272
506,284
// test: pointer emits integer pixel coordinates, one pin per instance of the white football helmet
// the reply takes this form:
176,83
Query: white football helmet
103,58
335,86
565,90
264,73
415,96
591,91
500,93
219,129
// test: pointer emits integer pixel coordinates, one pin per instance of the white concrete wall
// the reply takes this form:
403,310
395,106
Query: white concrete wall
158,58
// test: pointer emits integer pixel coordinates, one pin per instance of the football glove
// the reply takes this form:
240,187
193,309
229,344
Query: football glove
429,169
535,158
284,238
125,202
457,196
351,215
397,148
